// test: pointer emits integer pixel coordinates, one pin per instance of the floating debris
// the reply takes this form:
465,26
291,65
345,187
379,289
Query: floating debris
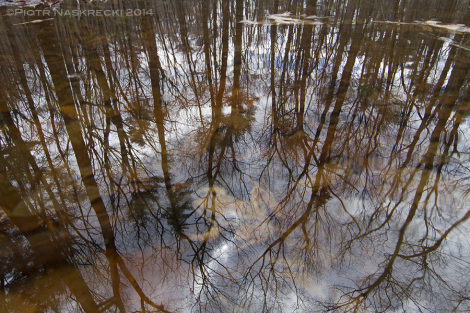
285,19
248,22
314,17
458,28
35,21
452,43
75,75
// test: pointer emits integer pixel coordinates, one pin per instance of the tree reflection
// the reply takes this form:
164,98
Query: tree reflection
236,156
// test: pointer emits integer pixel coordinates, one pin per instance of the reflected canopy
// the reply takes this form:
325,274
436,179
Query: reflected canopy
236,156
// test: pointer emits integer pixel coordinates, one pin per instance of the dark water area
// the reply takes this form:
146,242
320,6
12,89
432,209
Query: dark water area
235,156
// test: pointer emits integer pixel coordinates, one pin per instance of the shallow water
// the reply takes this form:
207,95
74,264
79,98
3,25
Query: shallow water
235,156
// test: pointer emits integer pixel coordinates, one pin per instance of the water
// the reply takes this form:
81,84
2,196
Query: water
234,156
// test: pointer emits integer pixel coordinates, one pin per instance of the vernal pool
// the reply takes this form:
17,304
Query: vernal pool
234,156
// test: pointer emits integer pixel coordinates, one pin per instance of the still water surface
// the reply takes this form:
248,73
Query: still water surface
235,156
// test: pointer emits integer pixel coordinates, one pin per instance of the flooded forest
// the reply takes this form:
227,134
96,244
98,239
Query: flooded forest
235,156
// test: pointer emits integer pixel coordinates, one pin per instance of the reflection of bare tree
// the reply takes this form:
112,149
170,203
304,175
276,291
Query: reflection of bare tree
71,121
